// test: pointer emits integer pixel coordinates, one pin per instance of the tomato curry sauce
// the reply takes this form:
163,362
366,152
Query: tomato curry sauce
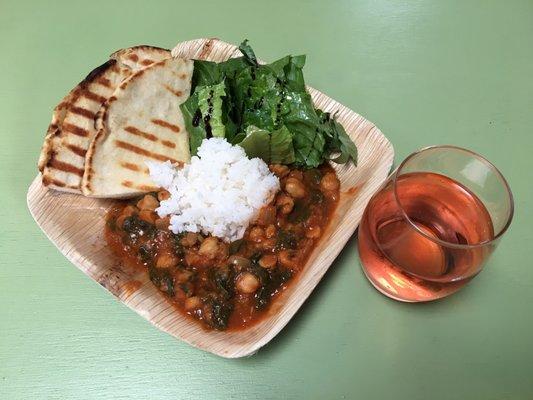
228,285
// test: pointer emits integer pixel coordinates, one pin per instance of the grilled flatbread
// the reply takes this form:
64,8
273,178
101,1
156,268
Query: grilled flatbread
142,121
54,129
140,56
72,129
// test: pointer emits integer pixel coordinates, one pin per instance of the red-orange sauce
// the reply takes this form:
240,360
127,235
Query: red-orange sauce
228,286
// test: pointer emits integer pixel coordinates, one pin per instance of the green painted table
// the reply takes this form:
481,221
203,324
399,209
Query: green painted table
425,72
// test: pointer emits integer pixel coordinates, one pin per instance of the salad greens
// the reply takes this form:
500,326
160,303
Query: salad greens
275,147
265,109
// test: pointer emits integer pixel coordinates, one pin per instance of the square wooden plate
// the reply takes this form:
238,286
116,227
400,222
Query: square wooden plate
75,224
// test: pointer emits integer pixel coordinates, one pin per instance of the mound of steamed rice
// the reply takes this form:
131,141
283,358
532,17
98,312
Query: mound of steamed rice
219,193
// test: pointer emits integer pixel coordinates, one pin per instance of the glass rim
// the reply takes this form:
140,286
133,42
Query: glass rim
435,239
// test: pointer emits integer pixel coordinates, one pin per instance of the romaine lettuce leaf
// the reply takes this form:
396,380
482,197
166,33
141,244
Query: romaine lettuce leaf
203,113
206,73
256,143
260,101
281,146
210,105
193,122
248,53
337,140
272,147
294,74
302,121
266,108
308,144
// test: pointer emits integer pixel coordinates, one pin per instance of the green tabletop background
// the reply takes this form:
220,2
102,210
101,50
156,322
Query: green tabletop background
426,72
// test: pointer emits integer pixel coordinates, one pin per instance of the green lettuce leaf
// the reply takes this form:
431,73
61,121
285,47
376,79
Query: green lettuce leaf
256,143
281,146
337,140
204,114
210,105
248,53
302,121
206,73
260,100
266,109
272,147
308,144
294,74
193,122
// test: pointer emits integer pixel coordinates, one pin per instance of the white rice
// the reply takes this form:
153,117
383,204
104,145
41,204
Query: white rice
219,193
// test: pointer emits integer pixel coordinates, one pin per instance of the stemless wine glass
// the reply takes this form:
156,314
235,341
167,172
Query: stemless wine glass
434,223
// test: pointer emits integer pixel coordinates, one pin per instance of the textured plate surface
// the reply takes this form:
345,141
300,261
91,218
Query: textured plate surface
75,225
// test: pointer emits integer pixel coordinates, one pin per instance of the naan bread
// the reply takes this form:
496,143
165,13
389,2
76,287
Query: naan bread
141,122
72,129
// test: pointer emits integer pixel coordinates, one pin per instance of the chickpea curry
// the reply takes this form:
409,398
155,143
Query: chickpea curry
228,285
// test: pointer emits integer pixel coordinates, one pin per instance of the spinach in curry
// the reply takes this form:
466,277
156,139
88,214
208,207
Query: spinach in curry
228,285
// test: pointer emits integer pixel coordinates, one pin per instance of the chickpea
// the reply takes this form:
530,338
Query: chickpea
257,234
163,195
268,261
285,203
267,216
148,216
296,174
270,231
192,303
288,258
162,223
313,232
269,244
239,261
209,247
295,188
148,202
329,182
247,283
129,211
166,260
184,276
280,170
189,239
193,259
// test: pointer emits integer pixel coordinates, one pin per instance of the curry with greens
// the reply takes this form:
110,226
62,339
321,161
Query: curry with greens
228,285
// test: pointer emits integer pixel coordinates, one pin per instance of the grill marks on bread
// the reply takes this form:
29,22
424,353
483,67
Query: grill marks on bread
94,97
153,138
103,81
75,130
138,132
73,122
141,122
142,188
142,152
165,124
177,93
77,150
134,167
66,167
83,112
150,136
